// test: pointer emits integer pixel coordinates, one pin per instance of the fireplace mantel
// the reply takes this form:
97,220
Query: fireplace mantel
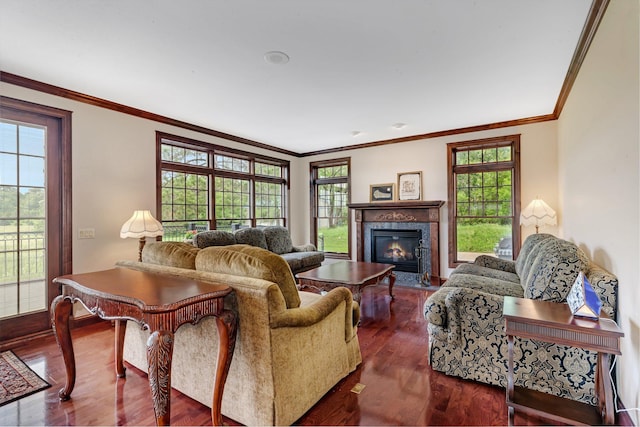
406,212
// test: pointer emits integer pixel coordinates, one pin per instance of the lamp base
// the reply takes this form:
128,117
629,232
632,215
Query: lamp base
141,244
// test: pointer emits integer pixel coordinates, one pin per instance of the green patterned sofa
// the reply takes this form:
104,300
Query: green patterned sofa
466,328
275,239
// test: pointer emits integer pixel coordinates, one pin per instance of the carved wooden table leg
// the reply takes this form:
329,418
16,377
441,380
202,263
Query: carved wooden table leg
356,291
603,389
392,281
121,328
159,354
61,309
227,328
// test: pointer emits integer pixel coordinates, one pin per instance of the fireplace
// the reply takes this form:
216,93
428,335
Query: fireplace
423,216
398,247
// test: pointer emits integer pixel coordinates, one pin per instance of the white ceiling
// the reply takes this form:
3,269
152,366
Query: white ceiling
355,65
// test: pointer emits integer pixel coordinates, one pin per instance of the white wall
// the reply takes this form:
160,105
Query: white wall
599,164
113,174
381,164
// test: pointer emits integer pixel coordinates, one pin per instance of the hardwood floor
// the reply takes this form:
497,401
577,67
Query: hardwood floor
400,387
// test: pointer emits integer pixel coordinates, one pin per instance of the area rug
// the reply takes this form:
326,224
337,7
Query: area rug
17,380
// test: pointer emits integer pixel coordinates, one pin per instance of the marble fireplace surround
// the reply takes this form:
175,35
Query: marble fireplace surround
424,215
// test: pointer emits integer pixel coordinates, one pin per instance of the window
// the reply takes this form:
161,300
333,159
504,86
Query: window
484,198
203,186
330,196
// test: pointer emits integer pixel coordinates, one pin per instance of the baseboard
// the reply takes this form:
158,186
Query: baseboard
25,339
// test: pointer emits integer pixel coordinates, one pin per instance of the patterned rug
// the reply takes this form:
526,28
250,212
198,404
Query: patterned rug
17,380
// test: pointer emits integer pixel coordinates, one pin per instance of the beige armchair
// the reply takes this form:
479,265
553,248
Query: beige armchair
292,347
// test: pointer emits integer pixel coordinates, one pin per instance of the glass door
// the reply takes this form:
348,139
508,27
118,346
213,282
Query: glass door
32,193
23,210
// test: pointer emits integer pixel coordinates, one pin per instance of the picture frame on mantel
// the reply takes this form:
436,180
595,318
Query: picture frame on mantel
382,192
410,185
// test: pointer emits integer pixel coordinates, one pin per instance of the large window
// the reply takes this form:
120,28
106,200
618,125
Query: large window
203,186
484,198
330,196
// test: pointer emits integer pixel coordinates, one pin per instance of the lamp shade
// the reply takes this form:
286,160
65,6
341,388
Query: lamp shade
141,224
538,213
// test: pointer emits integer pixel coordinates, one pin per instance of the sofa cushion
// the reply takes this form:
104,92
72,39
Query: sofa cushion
484,284
479,270
309,259
251,261
553,270
213,238
278,240
251,236
303,260
172,254
529,249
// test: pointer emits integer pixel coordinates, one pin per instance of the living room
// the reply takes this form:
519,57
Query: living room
585,163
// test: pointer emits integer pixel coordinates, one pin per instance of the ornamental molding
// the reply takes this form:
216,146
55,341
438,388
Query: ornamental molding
394,216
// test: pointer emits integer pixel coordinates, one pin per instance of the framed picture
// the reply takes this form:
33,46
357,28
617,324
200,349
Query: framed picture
382,192
410,185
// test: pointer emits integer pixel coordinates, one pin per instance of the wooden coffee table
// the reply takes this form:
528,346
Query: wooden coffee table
350,274
159,302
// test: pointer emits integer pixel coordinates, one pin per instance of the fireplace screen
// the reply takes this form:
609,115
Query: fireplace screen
397,247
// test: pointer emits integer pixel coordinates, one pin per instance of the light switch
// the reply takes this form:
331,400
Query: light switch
86,233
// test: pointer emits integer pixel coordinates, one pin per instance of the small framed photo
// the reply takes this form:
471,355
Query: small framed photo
410,185
382,192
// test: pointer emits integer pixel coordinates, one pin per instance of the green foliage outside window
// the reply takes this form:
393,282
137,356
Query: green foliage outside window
246,190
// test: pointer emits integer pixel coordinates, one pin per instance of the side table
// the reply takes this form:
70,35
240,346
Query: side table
161,303
554,323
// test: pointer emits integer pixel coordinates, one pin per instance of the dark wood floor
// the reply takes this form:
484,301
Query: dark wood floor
400,387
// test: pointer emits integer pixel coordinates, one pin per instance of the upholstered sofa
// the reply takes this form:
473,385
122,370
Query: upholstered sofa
292,347
275,239
466,327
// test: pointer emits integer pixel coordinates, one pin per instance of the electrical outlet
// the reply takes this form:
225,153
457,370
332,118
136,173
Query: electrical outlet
86,233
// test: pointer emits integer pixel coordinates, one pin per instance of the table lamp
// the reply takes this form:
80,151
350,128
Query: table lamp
141,225
538,213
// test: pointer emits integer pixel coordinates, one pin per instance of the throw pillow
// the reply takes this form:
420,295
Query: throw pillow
251,261
213,238
278,240
172,254
251,236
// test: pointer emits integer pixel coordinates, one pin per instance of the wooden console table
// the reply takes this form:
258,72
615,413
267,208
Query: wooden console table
554,323
161,303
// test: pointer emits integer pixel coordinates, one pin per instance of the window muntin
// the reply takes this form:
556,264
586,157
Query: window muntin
265,169
176,154
203,186
484,198
231,163
269,203
233,203
329,201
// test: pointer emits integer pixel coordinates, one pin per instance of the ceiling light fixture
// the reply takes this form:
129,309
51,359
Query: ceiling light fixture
399,125
276,57
355,133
